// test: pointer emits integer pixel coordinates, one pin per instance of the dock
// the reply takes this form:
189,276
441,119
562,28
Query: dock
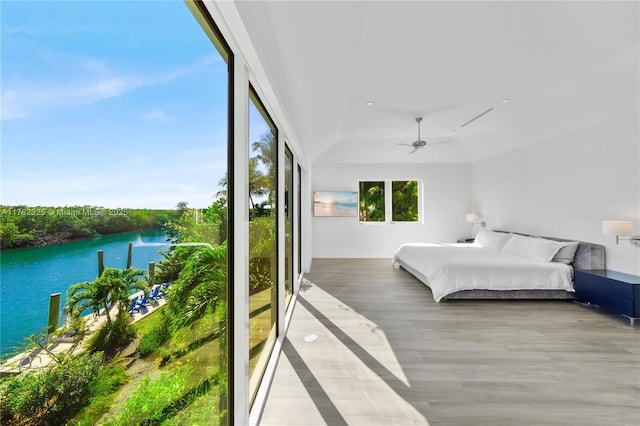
37,358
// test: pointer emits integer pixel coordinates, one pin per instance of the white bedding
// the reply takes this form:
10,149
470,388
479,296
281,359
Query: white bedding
448,268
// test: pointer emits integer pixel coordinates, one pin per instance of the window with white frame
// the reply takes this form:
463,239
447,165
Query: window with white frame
390,201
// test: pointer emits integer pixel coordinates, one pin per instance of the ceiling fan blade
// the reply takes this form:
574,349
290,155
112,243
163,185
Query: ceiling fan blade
404,144
442,141
414,150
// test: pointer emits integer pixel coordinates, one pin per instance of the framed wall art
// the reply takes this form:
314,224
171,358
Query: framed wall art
335,203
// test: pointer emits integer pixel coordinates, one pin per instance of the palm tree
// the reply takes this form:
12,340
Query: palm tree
222,183
266,150
86,295
120,283
113,286
200,286
371,201
258,182
266,153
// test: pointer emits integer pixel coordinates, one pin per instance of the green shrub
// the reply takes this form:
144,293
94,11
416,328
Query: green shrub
49,396
103,393
152,340
113,336
108,380
151,402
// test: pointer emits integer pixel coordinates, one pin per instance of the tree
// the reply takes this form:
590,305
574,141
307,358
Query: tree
372,201
120,283
112,287
87,295
258,183
182,206
404,200
222,183
200,286
8,234
266,151
51,395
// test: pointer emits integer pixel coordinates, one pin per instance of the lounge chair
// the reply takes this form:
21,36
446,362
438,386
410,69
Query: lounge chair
26,362
163,290
149,298
155,293
135,306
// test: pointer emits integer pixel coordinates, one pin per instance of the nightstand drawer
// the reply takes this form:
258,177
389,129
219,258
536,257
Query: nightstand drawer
595,282
613,291
606,301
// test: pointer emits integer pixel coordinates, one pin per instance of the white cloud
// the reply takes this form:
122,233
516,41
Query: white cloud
9,107
52,28
99,191
95,65
141,181
94,83
157,115
108,88
22,102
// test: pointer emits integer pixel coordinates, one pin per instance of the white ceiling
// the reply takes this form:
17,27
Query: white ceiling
565,65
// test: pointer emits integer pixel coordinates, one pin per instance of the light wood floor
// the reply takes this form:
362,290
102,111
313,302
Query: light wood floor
386,354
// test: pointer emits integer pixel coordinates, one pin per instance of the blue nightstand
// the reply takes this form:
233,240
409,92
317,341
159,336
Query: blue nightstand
612,291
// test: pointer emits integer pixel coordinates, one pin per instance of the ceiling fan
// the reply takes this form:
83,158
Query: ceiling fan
419,143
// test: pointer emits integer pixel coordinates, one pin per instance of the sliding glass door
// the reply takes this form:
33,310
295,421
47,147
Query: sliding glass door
263,241
288,225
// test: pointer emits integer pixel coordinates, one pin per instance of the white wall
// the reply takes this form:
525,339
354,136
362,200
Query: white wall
446,191
566,186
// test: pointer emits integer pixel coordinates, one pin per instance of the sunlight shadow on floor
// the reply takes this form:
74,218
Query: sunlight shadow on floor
348,375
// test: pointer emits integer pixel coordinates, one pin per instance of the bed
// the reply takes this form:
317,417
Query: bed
500,265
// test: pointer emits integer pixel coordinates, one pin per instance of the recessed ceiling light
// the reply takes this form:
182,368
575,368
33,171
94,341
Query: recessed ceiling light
504,101
369,103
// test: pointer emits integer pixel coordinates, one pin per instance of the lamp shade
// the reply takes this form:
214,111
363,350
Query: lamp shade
617,227
472,217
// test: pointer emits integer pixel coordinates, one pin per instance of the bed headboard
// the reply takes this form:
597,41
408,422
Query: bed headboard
588,255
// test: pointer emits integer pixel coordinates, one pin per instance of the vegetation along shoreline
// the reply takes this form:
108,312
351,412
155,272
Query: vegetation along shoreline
26,227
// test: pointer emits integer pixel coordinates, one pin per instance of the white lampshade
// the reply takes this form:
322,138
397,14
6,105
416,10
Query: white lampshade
617,227
472,217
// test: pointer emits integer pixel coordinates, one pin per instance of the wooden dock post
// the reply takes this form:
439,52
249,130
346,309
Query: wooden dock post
100,262
129,255
54,312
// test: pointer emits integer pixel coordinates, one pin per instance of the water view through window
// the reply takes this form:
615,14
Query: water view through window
114,165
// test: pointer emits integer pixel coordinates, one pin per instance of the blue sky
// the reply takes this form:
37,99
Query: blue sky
111,103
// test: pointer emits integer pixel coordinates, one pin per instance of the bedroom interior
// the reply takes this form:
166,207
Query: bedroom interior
539,107
428,212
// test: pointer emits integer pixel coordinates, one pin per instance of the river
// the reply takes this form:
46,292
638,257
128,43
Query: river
29,276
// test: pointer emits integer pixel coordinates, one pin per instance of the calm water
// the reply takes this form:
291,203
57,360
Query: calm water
335,209
29,276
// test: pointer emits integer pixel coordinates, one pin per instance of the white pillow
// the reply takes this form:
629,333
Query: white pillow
492,240
566,253
532,248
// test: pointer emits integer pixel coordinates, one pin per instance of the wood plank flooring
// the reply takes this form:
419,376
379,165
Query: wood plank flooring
387,354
